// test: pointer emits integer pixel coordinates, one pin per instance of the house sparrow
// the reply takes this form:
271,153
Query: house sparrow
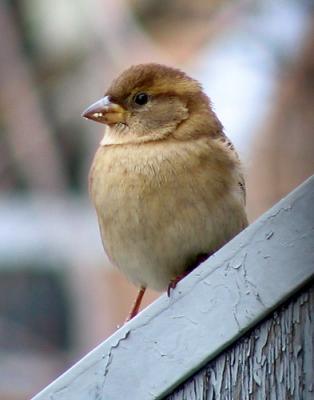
166,182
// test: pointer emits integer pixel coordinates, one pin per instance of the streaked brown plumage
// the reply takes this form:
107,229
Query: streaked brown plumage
166,182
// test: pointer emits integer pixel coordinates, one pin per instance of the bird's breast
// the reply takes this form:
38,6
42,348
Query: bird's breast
157,207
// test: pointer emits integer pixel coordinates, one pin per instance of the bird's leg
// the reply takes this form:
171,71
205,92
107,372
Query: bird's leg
174,281
199,259
136,305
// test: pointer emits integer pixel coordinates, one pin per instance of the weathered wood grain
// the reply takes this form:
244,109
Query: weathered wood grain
213,307
275,361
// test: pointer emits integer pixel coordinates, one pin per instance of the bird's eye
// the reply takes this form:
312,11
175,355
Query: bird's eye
141,99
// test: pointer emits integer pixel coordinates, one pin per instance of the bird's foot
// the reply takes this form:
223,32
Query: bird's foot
173,283
198,260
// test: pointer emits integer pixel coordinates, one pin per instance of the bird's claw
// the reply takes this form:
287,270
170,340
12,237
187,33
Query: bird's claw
173,283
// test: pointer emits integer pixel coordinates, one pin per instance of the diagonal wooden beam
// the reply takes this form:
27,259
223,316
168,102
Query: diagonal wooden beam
211,308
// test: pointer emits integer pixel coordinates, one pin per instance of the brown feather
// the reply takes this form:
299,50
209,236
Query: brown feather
166,182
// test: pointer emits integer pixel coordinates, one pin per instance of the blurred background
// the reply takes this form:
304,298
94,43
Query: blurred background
59,297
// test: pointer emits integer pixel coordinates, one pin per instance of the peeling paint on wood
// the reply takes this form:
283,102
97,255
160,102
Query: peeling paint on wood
213,307
275,361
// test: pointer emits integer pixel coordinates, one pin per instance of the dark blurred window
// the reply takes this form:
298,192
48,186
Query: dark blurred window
34,312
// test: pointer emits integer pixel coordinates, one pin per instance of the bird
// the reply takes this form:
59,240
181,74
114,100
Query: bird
166,182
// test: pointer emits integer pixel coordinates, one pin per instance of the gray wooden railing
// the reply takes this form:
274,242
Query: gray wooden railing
238,327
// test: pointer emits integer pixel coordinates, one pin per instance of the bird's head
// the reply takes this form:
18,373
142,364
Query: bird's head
151,102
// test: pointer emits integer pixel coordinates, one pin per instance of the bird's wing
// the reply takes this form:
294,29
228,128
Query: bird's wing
227,142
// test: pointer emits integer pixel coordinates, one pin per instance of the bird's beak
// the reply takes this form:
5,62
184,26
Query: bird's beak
105,112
